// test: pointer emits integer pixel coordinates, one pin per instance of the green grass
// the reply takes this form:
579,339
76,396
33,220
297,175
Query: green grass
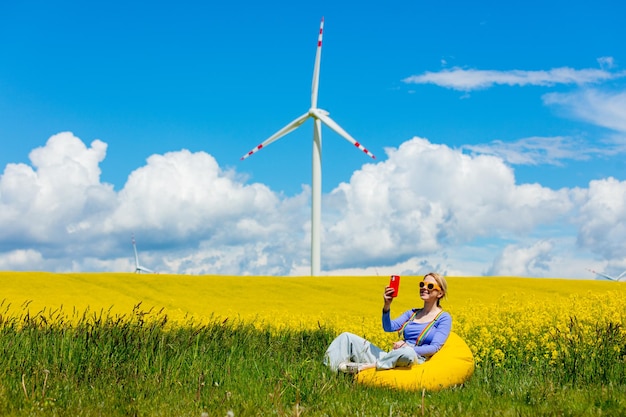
109,365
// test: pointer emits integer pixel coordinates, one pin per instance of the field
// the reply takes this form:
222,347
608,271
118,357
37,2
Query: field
127,344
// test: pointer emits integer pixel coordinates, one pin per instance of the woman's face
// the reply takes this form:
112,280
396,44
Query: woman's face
427,294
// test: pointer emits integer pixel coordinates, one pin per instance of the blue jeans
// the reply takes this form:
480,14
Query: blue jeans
348,347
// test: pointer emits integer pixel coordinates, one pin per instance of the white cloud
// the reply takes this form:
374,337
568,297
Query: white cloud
426,207
39,203
602,219
472,79
20,260
178,202
558,257
606,62
538,150
522,261
426,197
188,193
602,108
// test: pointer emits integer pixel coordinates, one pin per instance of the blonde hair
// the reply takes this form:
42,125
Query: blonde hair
441,281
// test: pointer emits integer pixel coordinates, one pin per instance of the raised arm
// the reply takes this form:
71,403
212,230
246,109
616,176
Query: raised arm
395,325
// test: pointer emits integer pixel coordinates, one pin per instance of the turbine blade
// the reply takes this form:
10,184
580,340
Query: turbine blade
606,276
316,68
620,276
334,126
282,132
602,275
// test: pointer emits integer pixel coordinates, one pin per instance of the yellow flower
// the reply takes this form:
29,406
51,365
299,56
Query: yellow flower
500,318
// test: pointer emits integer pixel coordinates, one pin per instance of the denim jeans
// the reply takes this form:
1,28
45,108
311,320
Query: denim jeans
348,347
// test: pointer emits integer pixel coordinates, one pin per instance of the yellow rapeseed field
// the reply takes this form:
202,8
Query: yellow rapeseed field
497,316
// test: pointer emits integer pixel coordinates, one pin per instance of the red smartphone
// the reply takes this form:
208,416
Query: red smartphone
394,282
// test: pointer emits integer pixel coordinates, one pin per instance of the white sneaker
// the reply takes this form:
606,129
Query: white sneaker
348,367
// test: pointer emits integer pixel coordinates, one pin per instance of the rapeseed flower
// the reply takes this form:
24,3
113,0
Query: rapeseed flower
501,319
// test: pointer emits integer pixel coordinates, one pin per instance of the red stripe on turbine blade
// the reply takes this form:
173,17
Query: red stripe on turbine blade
364,149
319,38
258,148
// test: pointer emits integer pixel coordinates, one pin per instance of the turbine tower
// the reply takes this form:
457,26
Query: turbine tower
138,268
319,116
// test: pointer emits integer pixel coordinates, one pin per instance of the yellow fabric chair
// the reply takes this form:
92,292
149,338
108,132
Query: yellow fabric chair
452,365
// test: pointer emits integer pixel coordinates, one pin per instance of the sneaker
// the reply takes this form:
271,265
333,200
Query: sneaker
348,367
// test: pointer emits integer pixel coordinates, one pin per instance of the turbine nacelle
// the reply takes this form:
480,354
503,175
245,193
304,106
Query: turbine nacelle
317,113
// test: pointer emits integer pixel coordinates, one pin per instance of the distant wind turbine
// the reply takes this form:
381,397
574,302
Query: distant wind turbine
319,116
138,268
617,278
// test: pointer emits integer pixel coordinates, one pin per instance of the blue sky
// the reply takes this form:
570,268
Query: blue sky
499,130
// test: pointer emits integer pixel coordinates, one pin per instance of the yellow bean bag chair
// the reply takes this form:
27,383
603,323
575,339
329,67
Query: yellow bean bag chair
452,365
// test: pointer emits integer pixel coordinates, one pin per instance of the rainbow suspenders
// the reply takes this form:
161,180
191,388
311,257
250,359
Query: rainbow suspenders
424,332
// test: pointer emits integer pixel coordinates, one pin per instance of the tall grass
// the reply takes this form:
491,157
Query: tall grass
139,364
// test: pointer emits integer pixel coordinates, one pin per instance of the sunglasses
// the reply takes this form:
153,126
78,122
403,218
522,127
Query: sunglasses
429,286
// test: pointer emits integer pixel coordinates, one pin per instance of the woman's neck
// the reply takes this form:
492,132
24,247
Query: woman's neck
429,307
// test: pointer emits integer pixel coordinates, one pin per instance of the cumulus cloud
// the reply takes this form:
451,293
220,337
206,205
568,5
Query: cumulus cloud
20,259
189,194
473,79
38,203
59,210
516,260
602,219
427,196
410,214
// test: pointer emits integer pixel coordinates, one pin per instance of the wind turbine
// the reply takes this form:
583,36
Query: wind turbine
319,116
138,268
617,278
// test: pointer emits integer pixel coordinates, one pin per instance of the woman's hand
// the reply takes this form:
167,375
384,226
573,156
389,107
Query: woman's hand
399,344
388,297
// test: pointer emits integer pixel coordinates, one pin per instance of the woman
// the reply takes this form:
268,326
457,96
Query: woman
423,332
